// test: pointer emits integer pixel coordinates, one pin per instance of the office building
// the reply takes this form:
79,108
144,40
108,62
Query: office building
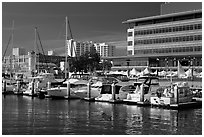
160,41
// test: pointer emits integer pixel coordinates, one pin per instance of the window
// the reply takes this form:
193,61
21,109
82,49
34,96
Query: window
191,27
199,37
180,28
191,38
129,43
129,52
129,34
177,28
187,38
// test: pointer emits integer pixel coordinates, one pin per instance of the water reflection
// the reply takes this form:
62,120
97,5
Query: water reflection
24,115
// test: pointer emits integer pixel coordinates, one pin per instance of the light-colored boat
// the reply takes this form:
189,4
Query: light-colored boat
82,91
95,87
63,90
178,95
39,83
8,86
142,90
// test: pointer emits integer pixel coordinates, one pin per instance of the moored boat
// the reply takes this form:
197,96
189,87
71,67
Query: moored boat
142,90
38,84
95,88
63,90
176,96
7,87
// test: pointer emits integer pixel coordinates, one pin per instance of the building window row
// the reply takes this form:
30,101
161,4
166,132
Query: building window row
167,29
169,39
167,50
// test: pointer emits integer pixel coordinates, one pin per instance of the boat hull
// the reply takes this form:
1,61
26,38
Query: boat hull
61,93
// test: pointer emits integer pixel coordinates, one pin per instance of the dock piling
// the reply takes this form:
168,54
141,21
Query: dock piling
48,85
18,87
88,90
176,96
4,86
68,89
142,93
113,91
32,88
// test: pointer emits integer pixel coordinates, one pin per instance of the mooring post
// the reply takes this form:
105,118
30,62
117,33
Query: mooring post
113,91
4,86
176,96
142,93
68,89
88,90
32,88
18,87
48,85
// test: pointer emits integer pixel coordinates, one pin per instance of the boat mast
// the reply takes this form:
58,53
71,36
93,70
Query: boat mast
66,49
12,57
35,48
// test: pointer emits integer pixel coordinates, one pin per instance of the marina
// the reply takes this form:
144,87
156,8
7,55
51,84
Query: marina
151,87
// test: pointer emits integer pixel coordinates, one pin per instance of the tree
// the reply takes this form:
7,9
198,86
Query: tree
86,62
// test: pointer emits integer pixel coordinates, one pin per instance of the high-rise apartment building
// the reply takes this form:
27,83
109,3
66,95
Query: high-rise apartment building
83,47
105,50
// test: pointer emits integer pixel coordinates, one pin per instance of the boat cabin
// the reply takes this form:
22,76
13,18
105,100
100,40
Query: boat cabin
148,81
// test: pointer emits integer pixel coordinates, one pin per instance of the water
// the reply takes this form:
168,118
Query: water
22,115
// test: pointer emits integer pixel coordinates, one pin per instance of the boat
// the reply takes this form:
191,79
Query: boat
121,77
8,86
80,76
141,91
38,84
95,84
63,90
113,91
176,96
20,87
197,93
110,93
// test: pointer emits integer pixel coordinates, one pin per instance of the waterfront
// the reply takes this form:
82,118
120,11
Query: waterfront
22,115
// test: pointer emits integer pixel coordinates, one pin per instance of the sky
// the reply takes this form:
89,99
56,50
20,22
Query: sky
89,21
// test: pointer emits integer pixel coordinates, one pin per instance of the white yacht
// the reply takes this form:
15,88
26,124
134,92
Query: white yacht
142,90
40,83
62,90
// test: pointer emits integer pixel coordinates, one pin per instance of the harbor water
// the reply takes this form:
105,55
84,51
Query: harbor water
23,115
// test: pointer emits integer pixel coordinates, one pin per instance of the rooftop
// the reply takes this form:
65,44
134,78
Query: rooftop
162,16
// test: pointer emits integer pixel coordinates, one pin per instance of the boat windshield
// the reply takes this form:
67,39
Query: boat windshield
63,85
148,80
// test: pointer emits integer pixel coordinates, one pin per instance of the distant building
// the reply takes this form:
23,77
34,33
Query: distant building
30,62
105,50
71,48
18,51
77,48
51,53
83,47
